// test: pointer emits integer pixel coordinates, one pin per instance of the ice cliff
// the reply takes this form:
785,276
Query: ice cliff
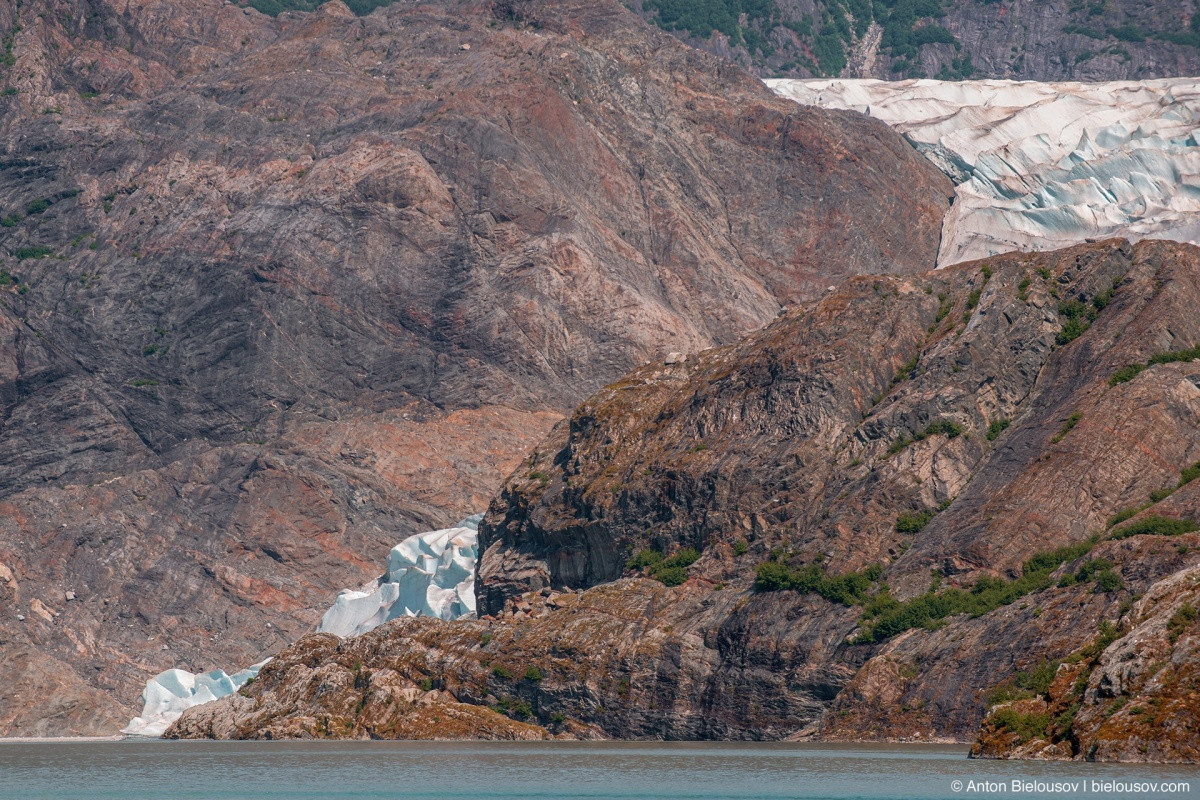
1043,165
429,574
168,694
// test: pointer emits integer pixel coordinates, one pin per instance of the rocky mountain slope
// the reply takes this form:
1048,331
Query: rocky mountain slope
1041,40
279,291
882,514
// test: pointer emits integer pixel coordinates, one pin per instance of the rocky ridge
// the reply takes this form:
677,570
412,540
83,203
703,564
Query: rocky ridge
864,521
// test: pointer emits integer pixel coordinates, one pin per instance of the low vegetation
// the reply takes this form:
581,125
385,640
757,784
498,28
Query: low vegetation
1155,526
849,588
668,571
1128,373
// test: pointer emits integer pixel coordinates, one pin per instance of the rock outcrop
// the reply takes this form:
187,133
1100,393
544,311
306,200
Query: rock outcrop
279,291
862,522
1133,695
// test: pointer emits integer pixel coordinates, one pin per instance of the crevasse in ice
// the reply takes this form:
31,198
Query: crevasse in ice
1043,165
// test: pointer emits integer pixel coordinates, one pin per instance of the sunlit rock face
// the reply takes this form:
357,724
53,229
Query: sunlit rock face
168,694
1043,165
428,575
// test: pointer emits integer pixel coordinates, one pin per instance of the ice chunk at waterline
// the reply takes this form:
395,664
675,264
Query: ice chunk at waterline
428,575
168,694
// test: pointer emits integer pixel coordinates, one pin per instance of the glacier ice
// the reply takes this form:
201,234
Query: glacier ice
1039,166
168,694
428,575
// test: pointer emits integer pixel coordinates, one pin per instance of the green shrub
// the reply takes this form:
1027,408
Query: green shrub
502,672
1037,680
1127,33
533,675
1078,318
740,546
988,594
944,306
913,521
670,576
685,557
944,427
669,571
1125,514
1183,618
1023,288
36,207
11,220
33,251
1067,427
1025,726
907,369
515,707
1126,374
425,684
1189,474
1156,526
997,427
973,298
643,559
849,588
1158,495
1108,581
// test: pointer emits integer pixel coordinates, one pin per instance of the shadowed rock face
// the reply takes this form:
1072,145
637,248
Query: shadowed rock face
967,395
279,292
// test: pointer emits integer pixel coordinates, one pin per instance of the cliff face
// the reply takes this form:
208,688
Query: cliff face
281,291
1040,40
864,521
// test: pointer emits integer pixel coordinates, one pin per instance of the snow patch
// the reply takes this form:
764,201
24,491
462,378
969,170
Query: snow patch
1040,166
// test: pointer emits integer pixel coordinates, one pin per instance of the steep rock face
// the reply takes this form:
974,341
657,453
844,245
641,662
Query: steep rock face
959,439
803,434
280,291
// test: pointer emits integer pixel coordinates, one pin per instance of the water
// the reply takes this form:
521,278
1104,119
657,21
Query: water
156,770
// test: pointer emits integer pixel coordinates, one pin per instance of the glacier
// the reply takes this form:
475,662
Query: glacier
1039,166
168,694
428,574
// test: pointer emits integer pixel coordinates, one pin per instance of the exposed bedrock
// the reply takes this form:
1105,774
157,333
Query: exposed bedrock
281,291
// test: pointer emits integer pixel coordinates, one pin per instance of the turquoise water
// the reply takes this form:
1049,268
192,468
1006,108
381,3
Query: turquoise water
154,770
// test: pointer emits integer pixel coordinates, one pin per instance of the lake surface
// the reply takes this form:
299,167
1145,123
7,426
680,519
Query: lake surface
158,770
